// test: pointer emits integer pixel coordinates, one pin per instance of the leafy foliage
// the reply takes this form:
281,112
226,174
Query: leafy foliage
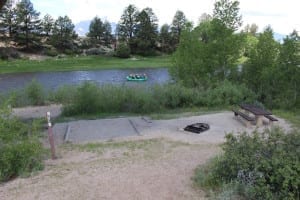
288,72
123,51
20,150
35,93
265,165
262,64
227,11
207,54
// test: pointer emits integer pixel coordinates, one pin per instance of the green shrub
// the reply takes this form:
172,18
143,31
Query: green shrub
95,51
85,101
64,94
51,52
20,150
123,51
227,93
35,93
266,164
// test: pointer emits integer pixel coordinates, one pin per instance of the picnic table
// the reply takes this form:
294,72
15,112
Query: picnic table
258,112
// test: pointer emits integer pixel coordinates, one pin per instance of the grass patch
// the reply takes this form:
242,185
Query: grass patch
185,112
146,149
101,147
83,63
291,116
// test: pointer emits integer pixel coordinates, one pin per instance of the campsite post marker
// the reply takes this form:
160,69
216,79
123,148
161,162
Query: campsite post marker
50,136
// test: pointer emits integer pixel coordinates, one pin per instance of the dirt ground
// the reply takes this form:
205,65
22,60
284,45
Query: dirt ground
155,160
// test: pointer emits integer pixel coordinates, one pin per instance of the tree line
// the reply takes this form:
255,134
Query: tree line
210,53
137,31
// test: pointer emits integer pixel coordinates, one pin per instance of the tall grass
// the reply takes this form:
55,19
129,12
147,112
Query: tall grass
20,149
91,99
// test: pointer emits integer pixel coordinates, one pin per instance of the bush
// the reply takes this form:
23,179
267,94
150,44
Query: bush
63,95
227,93
8,52
51,52
35,93
123,51
85,101
95,51
20,150
266,165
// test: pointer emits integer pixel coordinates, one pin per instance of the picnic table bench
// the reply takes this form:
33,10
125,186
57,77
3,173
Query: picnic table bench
271,119
247,118
258,113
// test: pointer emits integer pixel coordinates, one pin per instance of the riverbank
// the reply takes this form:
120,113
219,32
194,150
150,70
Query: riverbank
82,63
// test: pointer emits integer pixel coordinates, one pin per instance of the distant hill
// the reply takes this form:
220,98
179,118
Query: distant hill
82,28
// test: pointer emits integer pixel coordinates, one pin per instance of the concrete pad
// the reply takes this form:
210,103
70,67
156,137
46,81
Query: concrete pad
92,130
104,129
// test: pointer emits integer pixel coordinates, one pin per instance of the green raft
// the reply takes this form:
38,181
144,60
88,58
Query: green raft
133,78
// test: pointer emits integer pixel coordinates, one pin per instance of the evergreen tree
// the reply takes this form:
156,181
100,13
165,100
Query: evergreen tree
28,22
165,39
127,24
107,35
63,33
47,25
96,30
146,33
178,24
8,19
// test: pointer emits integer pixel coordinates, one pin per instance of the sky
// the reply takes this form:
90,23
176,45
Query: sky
282,16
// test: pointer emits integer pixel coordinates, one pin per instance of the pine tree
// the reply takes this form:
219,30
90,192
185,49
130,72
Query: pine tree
165,38
63,33
8,19
178,24
47,25
146,32
96,30
28,22
107,36
127,24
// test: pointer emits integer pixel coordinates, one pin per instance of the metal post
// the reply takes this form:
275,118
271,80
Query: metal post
50,137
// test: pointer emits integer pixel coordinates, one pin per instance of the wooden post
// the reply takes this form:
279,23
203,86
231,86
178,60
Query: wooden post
50,136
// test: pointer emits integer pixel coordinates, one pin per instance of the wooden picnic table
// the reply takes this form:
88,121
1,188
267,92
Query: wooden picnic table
258,112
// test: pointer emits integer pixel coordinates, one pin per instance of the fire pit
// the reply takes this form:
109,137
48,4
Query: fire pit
197,128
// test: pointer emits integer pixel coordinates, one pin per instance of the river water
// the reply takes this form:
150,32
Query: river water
53,80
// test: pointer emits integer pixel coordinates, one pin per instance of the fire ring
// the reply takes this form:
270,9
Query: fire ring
197,128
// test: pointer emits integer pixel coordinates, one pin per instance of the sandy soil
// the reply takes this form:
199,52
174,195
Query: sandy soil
160,166
163,170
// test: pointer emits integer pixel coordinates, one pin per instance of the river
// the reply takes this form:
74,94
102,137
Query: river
53,80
